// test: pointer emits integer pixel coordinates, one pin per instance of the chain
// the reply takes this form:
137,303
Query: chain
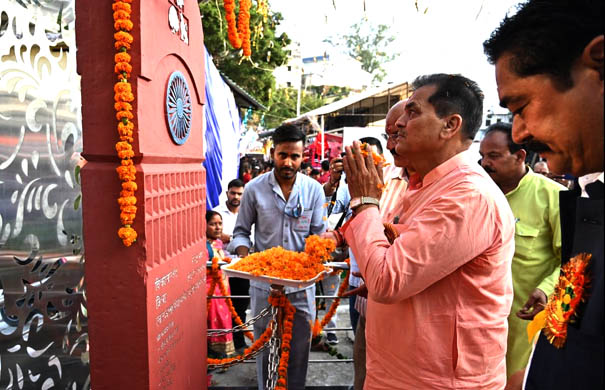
240,360
243,327
274,347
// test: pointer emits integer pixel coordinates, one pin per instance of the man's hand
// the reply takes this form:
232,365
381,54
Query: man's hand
225,238
362,291
535,304
515,382
242,251
336,169
363,177
329,235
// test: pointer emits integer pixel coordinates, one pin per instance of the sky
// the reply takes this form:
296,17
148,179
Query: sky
442,36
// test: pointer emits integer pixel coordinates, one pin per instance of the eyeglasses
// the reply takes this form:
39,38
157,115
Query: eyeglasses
293,212
386,136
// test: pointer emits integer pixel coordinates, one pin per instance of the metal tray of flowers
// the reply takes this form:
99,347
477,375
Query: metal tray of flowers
272,279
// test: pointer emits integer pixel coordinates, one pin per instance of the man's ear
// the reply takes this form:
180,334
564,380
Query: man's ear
593,55
452,126
272,151
520,155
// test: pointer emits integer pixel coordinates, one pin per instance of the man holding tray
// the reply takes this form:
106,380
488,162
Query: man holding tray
285,207
444,286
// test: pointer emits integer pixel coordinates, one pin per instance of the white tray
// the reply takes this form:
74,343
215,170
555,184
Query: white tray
271,279
337,265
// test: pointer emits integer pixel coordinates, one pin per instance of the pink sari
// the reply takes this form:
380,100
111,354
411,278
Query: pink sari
219,316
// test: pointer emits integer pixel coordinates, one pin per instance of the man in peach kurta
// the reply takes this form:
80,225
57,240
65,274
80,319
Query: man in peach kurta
439,296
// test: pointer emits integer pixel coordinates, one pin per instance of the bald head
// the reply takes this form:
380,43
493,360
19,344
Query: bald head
394,113
541,167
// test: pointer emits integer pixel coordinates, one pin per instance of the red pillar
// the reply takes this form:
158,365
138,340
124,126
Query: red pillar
147,311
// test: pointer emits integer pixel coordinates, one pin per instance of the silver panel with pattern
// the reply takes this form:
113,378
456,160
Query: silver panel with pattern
43,324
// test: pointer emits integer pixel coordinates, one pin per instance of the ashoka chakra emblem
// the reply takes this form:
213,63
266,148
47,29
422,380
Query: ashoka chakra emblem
178,107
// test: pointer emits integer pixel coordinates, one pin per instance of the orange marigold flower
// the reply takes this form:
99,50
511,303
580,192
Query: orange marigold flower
126,193
365,149
124,114
126,173
125,154
129,186
122,57
121,5
128,235
122,24
129,209
125,128
120,15
122,67
123,146
123,96
122,87
122,106
123,36
121,44
127,201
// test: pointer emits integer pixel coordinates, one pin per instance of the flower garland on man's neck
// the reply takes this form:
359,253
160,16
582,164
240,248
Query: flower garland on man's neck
239,34
123,98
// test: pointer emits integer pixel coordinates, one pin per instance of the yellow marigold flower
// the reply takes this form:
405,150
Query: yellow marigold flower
566,299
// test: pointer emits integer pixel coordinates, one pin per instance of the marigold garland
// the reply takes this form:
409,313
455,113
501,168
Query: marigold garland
318,326
239,32
563,302
123,98
217,279
262,340
288,323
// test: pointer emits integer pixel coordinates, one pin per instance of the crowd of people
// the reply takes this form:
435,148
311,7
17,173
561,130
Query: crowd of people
452,260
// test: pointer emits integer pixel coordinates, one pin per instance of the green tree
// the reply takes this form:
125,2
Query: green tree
268,49
368,44
283,105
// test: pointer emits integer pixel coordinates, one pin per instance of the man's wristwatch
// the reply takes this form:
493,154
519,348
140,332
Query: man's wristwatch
359,201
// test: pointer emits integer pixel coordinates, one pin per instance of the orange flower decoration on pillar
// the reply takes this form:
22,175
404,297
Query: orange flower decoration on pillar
124,114
239,32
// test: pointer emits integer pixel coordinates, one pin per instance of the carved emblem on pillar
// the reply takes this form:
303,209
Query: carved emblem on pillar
177,21
178,108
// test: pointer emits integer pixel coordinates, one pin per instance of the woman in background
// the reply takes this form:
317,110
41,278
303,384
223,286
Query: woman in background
219,316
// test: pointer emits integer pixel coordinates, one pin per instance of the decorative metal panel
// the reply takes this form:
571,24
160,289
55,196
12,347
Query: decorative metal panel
178,107
43,325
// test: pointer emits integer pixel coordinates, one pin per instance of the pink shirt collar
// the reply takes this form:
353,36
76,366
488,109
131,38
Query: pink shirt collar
443,169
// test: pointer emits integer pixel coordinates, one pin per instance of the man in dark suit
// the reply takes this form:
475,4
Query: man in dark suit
549,70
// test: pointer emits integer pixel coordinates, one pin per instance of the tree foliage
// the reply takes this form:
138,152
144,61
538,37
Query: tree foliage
368,44
268,49
283,105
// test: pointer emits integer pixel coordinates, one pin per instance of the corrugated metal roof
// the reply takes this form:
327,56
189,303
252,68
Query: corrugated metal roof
242,98
402,90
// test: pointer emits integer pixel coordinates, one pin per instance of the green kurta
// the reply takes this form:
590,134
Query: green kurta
535,204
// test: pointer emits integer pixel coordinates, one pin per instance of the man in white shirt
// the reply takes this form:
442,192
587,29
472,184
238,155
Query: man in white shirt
229,209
